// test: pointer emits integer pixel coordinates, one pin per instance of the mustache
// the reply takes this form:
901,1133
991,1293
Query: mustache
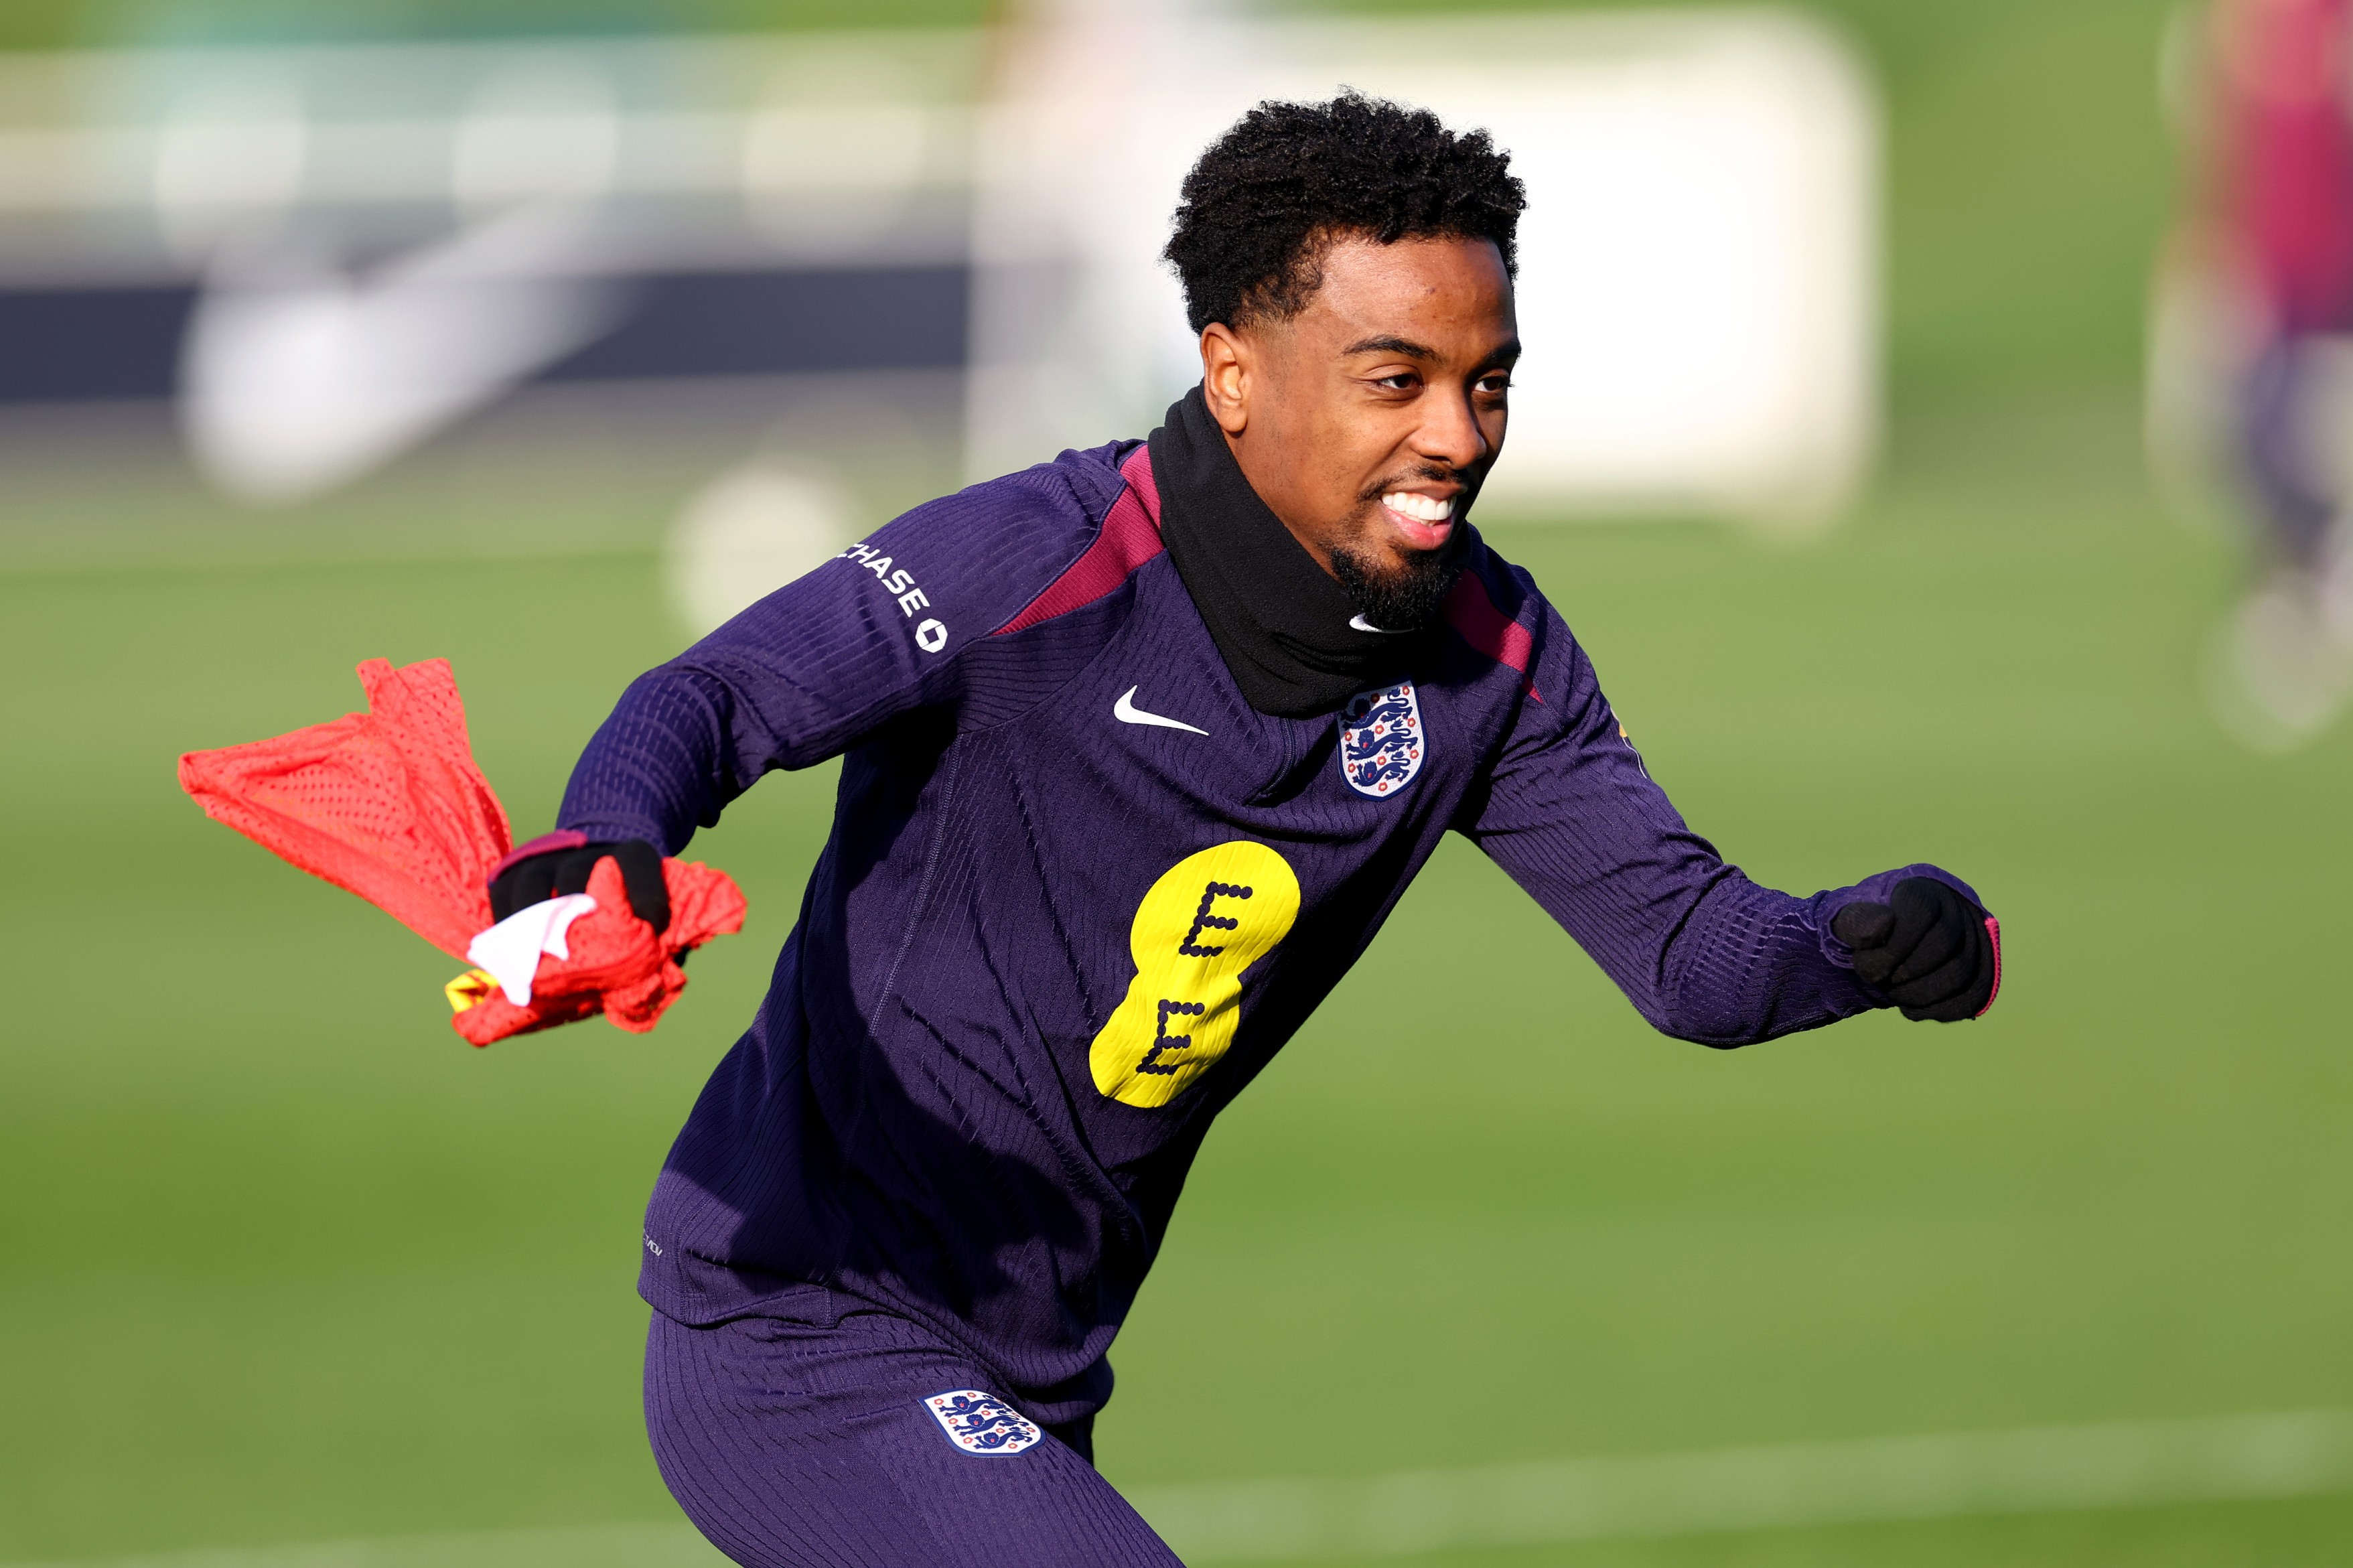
1438,471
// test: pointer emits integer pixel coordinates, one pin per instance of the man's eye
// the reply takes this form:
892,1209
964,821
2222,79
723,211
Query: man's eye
1404,380
1497,383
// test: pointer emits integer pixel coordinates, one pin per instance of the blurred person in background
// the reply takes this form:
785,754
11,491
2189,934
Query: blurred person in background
2265,266
1139,748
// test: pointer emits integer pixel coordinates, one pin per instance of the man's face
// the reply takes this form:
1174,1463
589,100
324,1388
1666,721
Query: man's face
1369,419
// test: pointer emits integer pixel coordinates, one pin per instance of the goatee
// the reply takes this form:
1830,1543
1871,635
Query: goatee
1405,598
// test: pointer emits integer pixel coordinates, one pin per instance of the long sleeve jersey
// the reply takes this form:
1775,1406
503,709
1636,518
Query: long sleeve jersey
1079,891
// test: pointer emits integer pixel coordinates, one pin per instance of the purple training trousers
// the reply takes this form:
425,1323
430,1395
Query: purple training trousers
871,1443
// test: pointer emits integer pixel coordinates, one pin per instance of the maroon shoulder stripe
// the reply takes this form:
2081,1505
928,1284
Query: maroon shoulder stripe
1471,611
1130,537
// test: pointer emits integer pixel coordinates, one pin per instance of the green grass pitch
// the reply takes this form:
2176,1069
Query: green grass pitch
282,1259
286,1261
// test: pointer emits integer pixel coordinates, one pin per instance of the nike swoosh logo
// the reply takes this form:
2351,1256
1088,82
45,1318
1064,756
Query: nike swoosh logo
1361,625
1127,712
297,378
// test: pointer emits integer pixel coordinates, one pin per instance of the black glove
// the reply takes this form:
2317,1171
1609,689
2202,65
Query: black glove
554,872
1933,951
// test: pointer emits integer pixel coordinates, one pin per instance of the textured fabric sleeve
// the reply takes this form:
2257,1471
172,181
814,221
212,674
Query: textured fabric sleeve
1704,953
826,660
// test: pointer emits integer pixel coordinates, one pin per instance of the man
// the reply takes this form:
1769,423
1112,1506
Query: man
1139,749
2272,231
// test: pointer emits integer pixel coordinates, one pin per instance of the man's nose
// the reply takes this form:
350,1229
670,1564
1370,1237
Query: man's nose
1450,432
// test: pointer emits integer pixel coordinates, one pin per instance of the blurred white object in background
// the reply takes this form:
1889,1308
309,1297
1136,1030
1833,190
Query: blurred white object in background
320,257
297,376
1698,272
323,255
2279,669
749,532
852,138
1078,333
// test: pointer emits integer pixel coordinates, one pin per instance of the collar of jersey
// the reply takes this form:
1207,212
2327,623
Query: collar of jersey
1279,621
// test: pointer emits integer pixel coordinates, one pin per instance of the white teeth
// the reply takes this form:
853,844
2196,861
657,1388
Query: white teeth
1425,509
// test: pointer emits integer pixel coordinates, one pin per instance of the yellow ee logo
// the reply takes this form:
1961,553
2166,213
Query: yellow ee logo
1209,917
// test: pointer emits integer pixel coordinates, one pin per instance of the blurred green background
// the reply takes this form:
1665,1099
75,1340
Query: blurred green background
282,1259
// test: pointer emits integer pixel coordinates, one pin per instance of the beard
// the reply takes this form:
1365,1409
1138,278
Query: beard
1403,598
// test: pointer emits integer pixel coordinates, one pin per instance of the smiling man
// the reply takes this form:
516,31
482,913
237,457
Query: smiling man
1139,749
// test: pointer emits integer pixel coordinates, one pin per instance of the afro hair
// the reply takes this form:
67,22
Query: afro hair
1270,196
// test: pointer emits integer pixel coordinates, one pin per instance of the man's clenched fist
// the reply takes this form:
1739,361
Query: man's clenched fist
565,869
1935,954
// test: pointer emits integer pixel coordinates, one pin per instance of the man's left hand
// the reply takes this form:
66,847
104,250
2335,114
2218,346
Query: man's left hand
1934,953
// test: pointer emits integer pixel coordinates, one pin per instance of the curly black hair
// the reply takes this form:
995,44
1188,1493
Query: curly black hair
1269,196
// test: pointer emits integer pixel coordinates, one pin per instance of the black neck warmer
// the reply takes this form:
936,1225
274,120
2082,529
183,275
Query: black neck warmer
1281,621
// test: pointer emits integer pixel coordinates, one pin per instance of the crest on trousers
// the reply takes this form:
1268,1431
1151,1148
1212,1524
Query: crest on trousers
1381,740
981,1423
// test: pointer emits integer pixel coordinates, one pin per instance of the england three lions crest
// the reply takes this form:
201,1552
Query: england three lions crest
981,1423
1381,740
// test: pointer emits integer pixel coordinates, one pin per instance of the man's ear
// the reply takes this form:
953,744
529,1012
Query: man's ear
1228,366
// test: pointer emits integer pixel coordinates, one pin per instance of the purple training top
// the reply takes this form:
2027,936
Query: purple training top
1079,891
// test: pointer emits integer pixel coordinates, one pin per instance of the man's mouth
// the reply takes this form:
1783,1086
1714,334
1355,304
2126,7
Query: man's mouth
1421,521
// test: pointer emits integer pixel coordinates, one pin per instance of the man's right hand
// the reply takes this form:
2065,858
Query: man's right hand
564,867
